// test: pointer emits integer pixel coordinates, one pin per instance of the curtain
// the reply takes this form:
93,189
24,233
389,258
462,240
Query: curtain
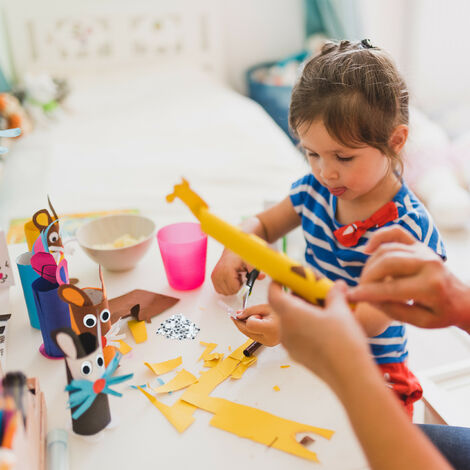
337,19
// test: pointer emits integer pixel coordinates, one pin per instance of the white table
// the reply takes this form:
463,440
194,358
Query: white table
144,438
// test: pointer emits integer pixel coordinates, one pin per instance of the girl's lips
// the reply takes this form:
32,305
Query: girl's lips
337,191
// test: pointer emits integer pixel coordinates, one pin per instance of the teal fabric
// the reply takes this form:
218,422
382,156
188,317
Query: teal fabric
337,19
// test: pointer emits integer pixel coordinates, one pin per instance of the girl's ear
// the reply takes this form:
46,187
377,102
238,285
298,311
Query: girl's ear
73,295
42,219
398,138
67,341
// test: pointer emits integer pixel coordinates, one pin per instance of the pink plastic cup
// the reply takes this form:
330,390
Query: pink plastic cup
183,247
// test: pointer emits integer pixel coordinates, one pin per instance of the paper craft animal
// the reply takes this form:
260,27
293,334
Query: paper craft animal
88,382
48,250
90,313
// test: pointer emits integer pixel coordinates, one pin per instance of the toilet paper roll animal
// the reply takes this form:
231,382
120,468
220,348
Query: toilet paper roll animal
88,381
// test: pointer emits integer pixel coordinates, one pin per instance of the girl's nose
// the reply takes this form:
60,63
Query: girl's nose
328,172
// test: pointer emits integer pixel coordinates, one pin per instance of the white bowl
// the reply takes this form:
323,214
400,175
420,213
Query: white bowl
107,229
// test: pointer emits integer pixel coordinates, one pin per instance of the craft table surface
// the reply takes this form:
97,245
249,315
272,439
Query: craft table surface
143,438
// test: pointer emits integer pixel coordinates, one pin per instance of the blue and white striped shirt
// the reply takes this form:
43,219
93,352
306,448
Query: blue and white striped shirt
317,207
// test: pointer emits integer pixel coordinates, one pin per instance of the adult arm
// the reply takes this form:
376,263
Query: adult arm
389,440
409,282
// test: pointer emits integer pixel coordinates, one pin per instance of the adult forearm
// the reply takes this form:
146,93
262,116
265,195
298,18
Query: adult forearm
388,438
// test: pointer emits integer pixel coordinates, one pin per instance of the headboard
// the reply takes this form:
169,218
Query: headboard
64,37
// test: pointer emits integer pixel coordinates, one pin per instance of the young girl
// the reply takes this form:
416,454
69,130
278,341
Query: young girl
349,111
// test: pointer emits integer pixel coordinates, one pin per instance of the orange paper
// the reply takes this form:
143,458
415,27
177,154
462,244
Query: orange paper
160,368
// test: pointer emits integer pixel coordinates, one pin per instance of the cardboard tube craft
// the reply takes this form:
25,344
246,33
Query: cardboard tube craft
90,310
88,381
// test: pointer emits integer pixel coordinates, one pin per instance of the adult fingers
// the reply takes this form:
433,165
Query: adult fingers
394,290
415,314
390,265
388,235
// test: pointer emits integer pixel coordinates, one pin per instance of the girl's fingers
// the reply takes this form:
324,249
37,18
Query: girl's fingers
388,235
243,329
260,310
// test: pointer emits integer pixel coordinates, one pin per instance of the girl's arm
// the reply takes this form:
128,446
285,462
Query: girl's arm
388,438
373,321
269,225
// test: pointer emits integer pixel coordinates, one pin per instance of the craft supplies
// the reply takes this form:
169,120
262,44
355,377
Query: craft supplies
178,327
183,247
252,348
27,276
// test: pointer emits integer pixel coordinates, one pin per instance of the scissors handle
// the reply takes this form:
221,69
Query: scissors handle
251,278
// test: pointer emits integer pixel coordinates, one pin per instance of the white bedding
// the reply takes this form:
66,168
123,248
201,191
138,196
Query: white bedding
129,135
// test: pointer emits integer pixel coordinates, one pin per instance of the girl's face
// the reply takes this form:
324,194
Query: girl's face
348,173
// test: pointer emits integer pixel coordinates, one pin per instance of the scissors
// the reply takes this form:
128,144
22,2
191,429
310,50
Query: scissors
250,280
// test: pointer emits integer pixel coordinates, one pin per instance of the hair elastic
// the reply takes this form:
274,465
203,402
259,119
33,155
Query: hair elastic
367,44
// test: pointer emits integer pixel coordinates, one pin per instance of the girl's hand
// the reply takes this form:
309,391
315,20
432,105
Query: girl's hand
260,324
409,282
228,274
328,341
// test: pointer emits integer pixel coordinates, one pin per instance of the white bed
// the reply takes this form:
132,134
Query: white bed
152,108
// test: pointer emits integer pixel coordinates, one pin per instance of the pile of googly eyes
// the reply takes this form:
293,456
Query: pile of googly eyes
178,327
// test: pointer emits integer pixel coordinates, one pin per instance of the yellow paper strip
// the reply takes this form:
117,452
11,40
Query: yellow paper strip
276,388
160,368
243,366
209,348
124,348
138,330
181,380
211,363
285,367
257,425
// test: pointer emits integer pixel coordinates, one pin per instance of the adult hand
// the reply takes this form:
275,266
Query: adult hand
410,283
328,340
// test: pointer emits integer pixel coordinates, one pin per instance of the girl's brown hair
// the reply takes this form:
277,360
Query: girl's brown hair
356,90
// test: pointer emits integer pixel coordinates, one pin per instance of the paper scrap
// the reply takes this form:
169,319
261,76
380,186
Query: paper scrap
142,304
243,366
285,367
124,348
138,330
207,351
160,368
213,362
276,388
180,414
257,425
181,380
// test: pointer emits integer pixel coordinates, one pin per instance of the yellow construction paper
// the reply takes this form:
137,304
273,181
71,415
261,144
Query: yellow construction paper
253,249
124,348
181,380
138,330
257,425
178,418
160,368
285,367
212,363
180,414
207,351
276,388
243,366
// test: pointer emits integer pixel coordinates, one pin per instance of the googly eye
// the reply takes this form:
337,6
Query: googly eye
86,368
89,320
53,237
105,315
99,360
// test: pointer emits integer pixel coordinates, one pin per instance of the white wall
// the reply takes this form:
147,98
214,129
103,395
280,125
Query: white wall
4,56
259,30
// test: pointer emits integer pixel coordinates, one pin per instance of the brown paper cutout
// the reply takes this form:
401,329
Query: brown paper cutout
141,304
